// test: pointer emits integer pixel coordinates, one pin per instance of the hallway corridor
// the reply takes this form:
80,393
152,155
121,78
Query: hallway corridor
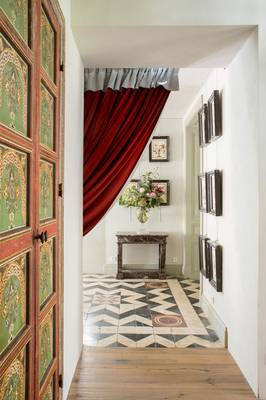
150,340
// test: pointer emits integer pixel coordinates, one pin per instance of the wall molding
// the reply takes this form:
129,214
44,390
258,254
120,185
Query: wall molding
215,320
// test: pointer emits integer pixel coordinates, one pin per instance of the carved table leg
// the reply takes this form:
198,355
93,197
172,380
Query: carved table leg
162,254
119,261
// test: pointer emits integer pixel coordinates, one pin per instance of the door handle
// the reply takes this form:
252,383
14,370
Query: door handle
43,237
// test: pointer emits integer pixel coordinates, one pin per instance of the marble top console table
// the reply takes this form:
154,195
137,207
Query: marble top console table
159,238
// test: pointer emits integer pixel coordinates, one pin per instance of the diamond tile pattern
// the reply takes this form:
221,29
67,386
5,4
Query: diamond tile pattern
144,313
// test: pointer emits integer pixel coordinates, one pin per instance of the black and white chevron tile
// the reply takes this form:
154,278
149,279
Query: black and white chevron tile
144,313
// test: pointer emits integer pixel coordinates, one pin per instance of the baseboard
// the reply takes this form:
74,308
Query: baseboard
171,269
215,320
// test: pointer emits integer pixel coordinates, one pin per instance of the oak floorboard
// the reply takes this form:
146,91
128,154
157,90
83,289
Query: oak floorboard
158,374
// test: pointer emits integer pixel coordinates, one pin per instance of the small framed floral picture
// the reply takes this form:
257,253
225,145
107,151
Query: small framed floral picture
215,262
203,126
164,185
159,149
203,262
202,192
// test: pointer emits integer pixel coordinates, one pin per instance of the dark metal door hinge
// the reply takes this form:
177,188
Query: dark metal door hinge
60,190
60,381
62,67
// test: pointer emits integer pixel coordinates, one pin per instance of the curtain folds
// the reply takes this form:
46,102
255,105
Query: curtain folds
130,78
117,127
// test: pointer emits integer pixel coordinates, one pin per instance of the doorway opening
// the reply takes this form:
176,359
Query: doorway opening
144,312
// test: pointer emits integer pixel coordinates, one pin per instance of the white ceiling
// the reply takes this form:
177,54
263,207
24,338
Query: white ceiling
191,80
161,46
194,49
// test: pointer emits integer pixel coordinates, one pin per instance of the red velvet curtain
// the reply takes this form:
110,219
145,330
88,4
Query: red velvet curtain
117,127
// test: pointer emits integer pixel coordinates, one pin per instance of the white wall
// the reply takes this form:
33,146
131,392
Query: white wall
102,240
94,250
73,203
236,154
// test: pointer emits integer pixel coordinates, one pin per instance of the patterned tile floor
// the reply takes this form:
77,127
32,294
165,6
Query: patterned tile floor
144,313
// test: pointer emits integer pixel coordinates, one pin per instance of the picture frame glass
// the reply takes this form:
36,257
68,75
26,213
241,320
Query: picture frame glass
203,125
203,133
159,149
204,199
212,193
203,256
214,274
213,130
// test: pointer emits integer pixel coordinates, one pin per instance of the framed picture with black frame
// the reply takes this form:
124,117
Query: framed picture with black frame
159,149
203,122
214,116
215,264
133,182
214,192
202,192
165,184
203,264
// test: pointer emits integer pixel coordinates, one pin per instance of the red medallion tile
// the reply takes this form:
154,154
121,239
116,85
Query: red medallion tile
163,320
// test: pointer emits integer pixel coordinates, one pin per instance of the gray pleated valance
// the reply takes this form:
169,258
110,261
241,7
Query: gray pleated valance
134,78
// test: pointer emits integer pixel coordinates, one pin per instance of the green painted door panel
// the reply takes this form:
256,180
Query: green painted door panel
47,46
13,301
49,392
13,187
46,190
14,76
46,343
31,138
17,13
47,118
13,381
46,270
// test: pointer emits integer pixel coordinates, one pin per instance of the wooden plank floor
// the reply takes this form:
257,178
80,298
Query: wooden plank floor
158,374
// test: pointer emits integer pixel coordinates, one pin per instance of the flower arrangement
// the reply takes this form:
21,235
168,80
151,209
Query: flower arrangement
143,195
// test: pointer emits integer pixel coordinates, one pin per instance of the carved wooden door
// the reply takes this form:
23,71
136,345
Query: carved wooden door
30,206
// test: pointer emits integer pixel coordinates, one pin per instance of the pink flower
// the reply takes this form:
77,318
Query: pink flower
152,194
141,190
159,188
